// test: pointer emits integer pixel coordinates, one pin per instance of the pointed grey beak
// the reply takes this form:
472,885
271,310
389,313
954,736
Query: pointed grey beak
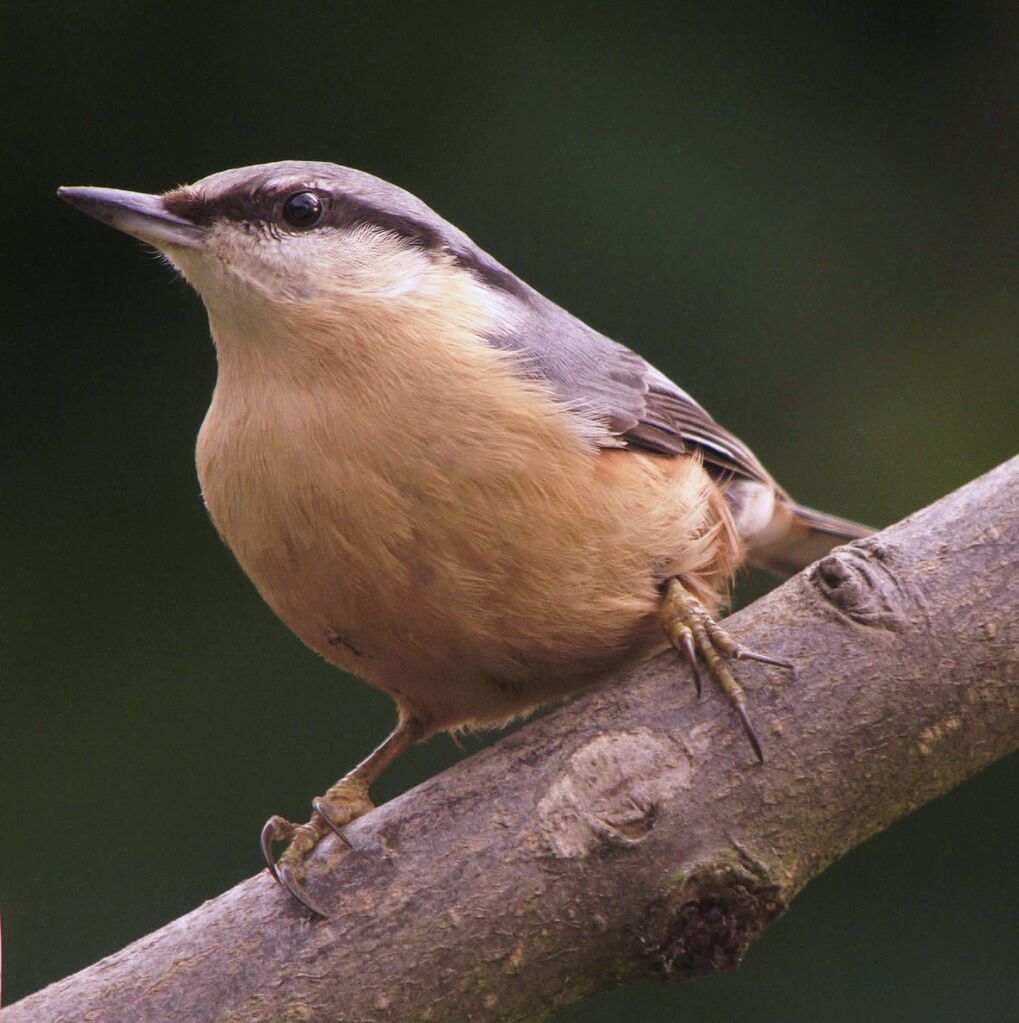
137,214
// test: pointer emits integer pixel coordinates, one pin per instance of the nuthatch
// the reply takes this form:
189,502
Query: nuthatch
439,479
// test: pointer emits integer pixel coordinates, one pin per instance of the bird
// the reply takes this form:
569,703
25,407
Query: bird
439,479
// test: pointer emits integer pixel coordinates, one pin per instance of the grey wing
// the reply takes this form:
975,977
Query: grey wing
638,406
670,412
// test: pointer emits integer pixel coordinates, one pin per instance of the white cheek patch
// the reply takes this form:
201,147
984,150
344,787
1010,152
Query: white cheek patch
407,284
261,284
248,263
361,263
368,262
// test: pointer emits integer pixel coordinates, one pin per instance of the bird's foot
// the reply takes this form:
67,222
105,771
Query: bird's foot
692,631
346,801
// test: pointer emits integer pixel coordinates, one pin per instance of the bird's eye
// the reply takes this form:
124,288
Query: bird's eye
303,210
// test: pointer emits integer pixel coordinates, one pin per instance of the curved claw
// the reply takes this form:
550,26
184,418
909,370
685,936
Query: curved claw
275,829
695,665
287,877
697,636
323,811
741,653
751,734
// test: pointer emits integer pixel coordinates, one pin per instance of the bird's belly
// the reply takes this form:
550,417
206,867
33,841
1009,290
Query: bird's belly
457,626
469,589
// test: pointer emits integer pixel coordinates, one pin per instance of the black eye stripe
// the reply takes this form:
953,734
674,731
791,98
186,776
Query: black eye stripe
262,209
256,206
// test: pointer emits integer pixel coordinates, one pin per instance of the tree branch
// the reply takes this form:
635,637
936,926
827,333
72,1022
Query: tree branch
631,832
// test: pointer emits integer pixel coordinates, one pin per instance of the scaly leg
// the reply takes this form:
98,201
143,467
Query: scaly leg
693,631
347,800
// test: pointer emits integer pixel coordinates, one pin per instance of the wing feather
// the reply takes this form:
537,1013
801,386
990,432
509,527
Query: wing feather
638,406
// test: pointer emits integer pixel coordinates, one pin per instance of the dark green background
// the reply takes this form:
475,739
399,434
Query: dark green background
807,215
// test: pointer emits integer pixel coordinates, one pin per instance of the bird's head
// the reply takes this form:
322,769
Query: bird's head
314,240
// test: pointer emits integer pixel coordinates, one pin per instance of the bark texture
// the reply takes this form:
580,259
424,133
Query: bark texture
632,831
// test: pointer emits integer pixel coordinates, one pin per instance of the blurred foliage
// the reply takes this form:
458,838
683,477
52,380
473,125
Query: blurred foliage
806,214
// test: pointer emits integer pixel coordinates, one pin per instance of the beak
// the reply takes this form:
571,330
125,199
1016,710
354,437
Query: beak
137,214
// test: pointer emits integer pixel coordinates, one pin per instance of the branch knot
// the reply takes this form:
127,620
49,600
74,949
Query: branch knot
859,582
708,924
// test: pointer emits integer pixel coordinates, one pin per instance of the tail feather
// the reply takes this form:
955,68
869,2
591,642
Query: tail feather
804,536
